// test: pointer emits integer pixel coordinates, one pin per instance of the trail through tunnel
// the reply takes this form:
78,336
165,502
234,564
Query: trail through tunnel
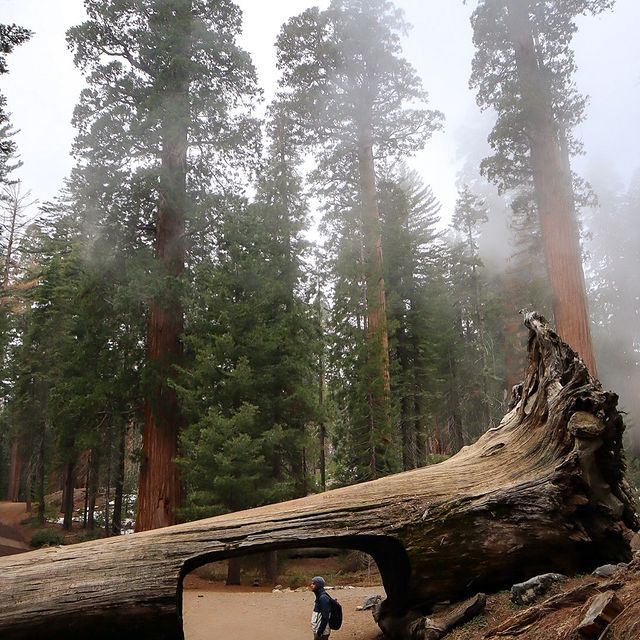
265,592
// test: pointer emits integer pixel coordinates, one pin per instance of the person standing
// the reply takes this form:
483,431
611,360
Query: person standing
321,610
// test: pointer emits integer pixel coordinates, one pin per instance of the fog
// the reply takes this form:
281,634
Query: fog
42,88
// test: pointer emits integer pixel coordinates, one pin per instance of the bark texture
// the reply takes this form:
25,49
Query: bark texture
377,334
544,491
160,490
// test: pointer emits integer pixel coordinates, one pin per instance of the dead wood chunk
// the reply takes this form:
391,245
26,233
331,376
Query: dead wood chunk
522,621
611,585
603,609
436,627
527,592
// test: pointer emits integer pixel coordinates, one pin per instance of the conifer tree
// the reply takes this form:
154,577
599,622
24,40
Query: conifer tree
356,99
75,358
166,96
414,276
615,290
523,68
249,389
477,293
10,37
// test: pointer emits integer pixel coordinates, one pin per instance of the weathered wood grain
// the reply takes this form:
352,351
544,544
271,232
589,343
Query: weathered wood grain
543,491
603,609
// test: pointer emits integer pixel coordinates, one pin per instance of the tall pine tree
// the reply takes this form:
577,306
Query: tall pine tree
356,99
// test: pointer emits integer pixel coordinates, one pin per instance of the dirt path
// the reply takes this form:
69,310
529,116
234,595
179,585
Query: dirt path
11,538
263,615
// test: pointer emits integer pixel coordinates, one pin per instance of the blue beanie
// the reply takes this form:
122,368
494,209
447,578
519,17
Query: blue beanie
318,581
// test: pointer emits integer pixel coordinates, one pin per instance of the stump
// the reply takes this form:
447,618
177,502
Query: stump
544,491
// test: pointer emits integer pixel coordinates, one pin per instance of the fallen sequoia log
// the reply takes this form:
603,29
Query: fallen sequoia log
542,492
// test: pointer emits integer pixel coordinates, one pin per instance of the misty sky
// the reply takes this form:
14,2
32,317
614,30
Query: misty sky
42,86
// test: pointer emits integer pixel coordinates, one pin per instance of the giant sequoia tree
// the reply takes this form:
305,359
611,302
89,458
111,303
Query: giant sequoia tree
524,69
165,101
356,99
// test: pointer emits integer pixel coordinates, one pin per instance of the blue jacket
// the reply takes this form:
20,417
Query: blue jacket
321,613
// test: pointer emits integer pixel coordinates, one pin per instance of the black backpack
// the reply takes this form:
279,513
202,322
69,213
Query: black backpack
335,618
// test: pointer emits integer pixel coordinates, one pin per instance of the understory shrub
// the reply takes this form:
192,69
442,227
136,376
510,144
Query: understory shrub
46,538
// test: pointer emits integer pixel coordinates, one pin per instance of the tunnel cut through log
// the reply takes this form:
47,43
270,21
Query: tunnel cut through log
544,491
388,554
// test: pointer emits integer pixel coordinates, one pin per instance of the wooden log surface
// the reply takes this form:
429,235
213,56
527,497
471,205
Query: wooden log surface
544,491
603,609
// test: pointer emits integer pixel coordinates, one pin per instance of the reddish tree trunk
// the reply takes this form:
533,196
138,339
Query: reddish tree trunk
554,192
377,337
13,488
160,490
376,303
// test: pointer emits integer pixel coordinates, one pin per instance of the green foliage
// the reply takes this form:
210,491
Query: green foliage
435,458
415,279
342,70
11,36
495,76
249,391
269,327
478,322
87,536
297,580
131,93
349,89
165,81
223,463
46,538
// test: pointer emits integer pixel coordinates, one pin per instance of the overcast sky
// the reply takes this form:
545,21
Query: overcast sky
42,86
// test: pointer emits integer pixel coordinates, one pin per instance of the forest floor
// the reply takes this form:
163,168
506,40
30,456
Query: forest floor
14,537
213,610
